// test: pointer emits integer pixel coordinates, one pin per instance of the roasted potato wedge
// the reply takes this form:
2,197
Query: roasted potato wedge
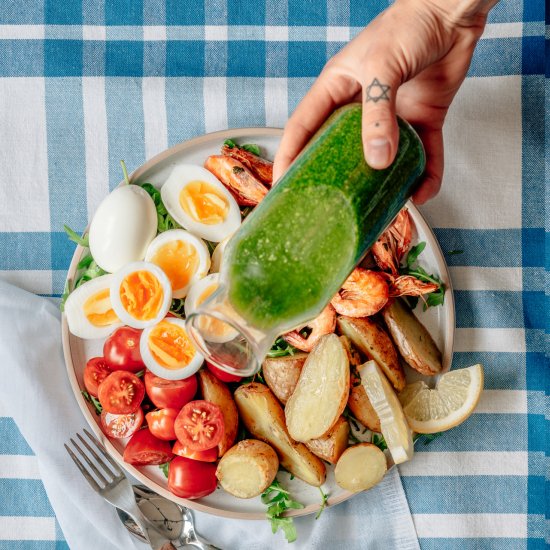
215,391
322,391
264,418
360,405
412,339
281,374
375,344
333,443
248,468
360,467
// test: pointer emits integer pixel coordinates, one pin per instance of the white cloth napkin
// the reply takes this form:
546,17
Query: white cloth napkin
41,401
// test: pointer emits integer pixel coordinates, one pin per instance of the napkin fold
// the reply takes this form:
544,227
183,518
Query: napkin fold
41,401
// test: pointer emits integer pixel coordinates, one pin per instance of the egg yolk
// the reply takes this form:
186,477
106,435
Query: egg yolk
211,325
204,203
98,310
170,346
179,260
141,295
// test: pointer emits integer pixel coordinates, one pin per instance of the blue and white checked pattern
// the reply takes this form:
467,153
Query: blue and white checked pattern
83,84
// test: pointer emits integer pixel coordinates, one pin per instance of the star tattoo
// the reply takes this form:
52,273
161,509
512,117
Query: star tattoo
377,91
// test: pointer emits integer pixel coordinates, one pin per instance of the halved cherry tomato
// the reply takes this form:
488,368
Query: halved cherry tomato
144,448
210,455
170,394
121,392
161,423
121,350
95,371
222,375
199,425
121,425
190,478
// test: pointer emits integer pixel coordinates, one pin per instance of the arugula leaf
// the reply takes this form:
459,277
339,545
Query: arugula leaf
178,307
165,467
414,252
90,273
428,438
164,219
64,296
251,148
140,373
278,501
281,348
433,299
324,499
85,261
230,143
379,441
93,400
76,238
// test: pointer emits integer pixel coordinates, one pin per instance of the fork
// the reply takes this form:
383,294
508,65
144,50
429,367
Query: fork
113,485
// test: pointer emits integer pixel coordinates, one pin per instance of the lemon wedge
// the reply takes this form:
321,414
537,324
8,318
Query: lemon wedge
384,400
453,400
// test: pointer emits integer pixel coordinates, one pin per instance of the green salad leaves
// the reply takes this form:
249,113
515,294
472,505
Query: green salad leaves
164,220
250,147
278,501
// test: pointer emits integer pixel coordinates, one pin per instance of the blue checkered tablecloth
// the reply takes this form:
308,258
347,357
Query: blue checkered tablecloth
86,83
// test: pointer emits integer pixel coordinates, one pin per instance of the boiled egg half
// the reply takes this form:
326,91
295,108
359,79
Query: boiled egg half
168,352
89,311
122,227
141,294
200,203
217,256
212,329
182,256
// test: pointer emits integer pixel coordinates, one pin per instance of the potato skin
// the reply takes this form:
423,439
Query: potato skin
281,374
332,444
414,342
360,405
215,391
264,418
252,454
322,391
373,341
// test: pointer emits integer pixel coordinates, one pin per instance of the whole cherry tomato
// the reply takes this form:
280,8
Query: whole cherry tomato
161,423
221,374
121,350
190,478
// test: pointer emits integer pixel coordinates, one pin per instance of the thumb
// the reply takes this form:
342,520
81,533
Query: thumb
380,130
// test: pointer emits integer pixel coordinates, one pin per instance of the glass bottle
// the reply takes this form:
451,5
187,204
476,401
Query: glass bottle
294,251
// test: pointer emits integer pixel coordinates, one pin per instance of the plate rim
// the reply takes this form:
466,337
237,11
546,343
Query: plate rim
90,417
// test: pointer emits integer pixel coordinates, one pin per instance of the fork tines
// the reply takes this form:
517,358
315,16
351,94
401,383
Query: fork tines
114,474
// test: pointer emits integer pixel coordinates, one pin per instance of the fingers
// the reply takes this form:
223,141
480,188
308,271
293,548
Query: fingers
380,130
431,181
310,113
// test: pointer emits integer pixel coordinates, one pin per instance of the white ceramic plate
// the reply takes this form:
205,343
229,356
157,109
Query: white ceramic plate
440,321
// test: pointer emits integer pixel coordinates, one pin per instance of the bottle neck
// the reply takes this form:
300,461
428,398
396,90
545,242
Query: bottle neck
225,339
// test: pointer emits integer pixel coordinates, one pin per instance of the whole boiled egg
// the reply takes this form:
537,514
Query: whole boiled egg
168,352
89,311
141,294
200,203
182,256
212,329
123,227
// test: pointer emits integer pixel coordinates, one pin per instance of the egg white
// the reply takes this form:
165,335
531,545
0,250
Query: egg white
79,324
116,282
181,175
122,227
198,244
152,364
217,255
191,305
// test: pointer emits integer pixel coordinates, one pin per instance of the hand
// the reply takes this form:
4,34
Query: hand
410,60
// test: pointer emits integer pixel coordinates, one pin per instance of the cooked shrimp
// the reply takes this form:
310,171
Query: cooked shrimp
407,285
364,293
325,323
261,168
394,243
246,189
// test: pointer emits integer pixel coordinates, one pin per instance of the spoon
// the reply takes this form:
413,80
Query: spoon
170,519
